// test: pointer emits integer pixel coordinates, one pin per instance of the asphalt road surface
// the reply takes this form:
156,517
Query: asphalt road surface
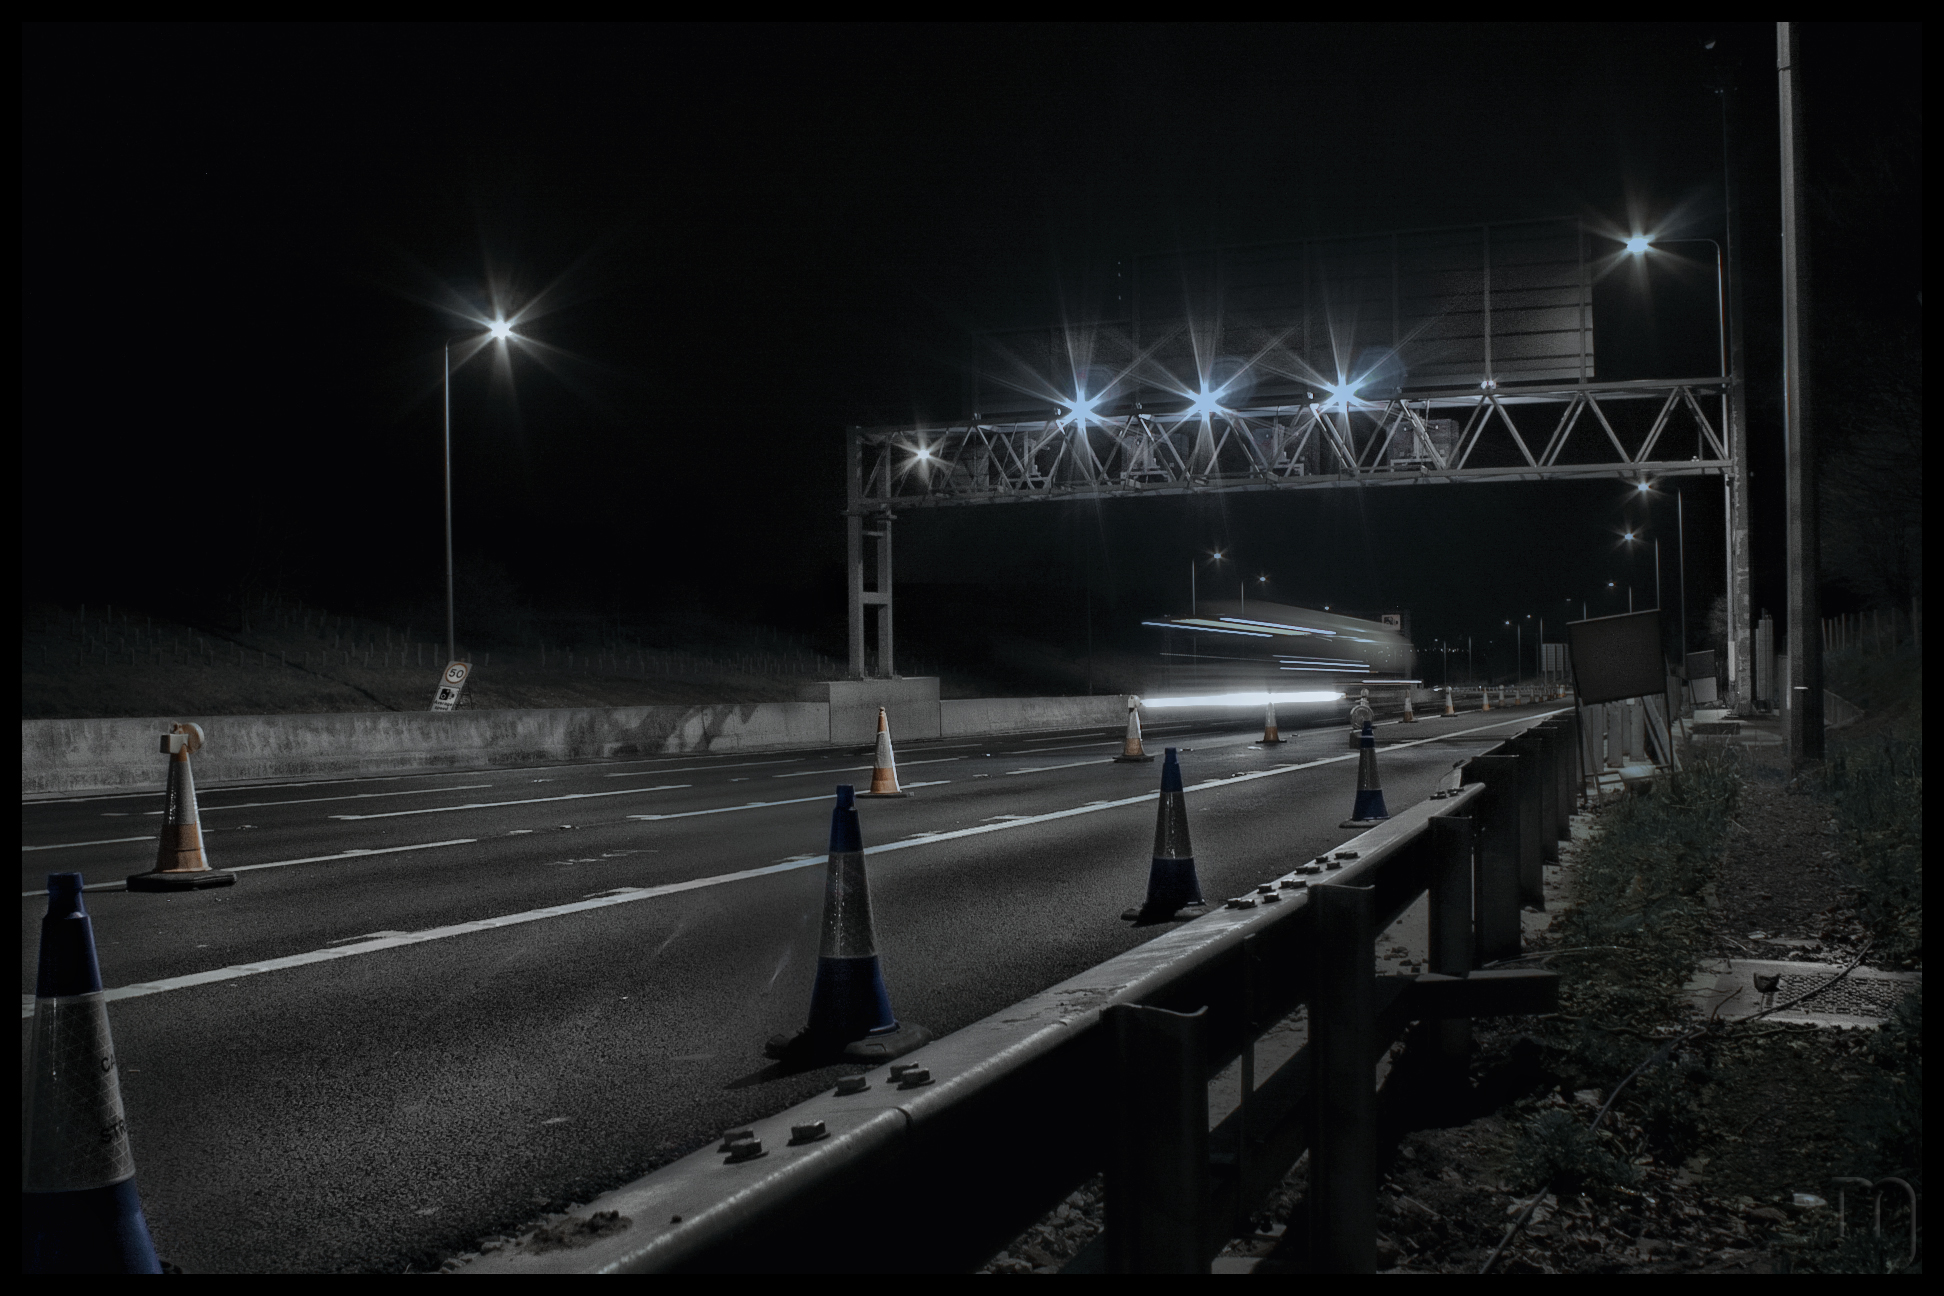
435,1005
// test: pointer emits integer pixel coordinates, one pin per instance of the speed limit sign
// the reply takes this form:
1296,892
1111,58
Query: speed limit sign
451,685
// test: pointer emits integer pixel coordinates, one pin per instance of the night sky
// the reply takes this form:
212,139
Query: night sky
242,248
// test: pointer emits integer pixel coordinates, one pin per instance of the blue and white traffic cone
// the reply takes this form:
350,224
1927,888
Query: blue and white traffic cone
1369,810
79,1211
1173,889
850,1007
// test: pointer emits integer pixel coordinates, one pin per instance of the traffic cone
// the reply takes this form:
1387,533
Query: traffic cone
850,1008
1360,715
1173,889
1450,707
884,767
179,861
79,1211
1485,698
1369,810
1269,735
1410,716
1131,746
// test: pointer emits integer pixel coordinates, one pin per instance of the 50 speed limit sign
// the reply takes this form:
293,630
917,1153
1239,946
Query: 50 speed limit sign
451,685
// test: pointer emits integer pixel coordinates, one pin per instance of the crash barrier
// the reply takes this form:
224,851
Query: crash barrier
936,1162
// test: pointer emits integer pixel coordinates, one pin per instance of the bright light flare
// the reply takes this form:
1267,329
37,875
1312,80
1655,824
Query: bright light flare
1206,403
500,330
1260,698
1640,244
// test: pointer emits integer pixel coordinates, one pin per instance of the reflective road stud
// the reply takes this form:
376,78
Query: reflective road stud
179,861
1369,810
79,1211
1131,745
884,767
1173,889
850,1007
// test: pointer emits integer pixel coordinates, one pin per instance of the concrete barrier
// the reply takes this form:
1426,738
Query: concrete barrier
970,717
90,755
59,756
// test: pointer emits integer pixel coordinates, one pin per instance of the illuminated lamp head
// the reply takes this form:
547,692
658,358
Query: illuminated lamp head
1640,244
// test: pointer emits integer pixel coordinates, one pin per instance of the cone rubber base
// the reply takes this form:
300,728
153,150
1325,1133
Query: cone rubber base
880,796
1139,914
1132,760
801,1049
1363,823
184,880
1269,742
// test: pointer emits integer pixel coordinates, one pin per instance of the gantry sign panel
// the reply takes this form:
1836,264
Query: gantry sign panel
1510,303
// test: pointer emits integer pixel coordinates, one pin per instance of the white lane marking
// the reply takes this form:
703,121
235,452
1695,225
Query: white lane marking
331,953
354,796
236,971
309,859
690,769
1041,769
106,841
491,805
852,769
933,783
1041,751
752,805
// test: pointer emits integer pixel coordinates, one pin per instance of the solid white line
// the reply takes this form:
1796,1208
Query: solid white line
354,796
1041,769
490,805
216,975
1041,751
309,859
106,841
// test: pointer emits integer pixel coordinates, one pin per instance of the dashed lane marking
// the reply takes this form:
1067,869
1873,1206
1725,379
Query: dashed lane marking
354,796
105,841
308,859
493,805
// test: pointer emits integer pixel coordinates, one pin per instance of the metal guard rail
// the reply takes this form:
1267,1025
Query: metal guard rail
1109,1070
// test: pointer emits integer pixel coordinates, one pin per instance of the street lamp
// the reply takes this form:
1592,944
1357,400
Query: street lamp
499,330
1193,563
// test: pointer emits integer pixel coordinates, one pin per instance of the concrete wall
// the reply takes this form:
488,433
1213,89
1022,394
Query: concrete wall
104,755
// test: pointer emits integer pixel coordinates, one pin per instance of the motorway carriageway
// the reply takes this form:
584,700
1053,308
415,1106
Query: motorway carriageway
436,1005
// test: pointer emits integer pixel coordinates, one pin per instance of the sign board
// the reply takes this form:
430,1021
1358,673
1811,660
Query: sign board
1701,665
1394,621
1553,659
1617,657
451,685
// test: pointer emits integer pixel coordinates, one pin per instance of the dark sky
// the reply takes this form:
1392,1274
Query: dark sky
241,246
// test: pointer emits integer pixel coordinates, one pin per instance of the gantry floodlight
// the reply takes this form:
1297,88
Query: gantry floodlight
1206,403
1642,488
500,330
1640,244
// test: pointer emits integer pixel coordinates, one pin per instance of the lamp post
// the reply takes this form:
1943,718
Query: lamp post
499,330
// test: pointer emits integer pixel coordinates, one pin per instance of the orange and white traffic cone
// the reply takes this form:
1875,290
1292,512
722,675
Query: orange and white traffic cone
1131,746
1410,716
1485,699
79,1211
180,864
884,767
1269,735
1450,707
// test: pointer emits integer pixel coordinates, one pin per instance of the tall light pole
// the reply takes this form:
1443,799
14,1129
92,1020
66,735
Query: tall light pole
1804,537
499,330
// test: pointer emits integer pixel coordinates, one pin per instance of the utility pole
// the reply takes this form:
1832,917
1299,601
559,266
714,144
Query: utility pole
1805,643
1734,483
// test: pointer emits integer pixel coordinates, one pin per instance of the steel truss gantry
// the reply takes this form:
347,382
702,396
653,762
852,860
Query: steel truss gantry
1290,440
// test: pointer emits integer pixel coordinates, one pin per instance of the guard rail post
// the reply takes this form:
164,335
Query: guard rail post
1567,723
1497,904
1451,933
1532,781
1157,1168
1342,1027
1546,741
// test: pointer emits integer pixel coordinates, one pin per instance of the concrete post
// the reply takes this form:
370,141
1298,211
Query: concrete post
1451,931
